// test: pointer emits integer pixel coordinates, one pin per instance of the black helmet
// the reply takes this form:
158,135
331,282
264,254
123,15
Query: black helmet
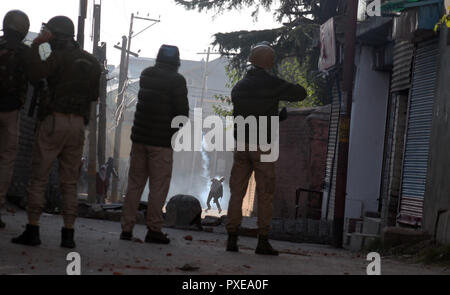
61,26
169,54
17,21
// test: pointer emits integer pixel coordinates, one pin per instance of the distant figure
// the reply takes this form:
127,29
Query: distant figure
110,168
109,172
102,183
83,182
216,193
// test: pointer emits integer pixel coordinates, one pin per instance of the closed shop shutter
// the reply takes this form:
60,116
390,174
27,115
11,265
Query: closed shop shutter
401,73
332,150
418,134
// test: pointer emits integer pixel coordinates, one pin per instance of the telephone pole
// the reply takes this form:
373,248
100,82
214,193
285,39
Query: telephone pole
205,76
344,124
92,169
118,131
204,87
100,54
123,77
81,22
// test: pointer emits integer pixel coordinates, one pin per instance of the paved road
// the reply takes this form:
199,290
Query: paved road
103,253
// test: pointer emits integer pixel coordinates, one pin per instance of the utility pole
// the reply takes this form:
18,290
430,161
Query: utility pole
124,63
92,169
81,21
344,123
100,54
118,131
204,87
102,107
205,76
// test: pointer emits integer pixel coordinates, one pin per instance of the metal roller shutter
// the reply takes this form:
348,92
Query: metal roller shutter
401,74
332,150
420,116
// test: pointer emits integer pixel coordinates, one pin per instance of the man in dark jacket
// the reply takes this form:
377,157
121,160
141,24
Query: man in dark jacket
257,94
215,193
13,90
73,77
162,97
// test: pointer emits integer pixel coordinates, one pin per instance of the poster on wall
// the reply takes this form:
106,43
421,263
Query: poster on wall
327,45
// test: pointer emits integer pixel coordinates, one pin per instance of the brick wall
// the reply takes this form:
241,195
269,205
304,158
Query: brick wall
303,148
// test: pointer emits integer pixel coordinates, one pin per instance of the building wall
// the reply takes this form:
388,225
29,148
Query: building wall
437,199
367,136
303,148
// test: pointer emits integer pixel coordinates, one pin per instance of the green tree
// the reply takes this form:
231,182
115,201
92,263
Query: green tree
233,77
296,41
297,36
290,70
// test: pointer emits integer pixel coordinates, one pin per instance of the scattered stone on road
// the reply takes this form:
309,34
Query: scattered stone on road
102,252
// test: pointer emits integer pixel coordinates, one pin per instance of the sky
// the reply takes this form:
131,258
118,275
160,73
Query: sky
191,31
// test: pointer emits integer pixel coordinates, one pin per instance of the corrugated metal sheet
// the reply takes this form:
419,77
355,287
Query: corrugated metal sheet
401,74
22,166
415,162
332,151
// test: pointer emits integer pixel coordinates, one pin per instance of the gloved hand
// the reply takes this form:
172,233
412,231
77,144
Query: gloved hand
283,115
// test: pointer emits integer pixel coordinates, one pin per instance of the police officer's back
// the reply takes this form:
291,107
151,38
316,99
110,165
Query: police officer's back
13,91
73,80
258,95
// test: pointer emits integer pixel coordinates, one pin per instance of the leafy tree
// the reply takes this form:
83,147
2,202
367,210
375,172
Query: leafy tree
297,35
233,77
295,41
290,70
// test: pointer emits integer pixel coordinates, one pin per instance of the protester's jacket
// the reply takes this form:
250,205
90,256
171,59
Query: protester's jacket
73,77
14,60
258,94
162,97
216,190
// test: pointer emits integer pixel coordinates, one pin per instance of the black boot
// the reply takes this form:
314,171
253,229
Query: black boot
67,240
30,236
156,237
232,245
264,247
126,236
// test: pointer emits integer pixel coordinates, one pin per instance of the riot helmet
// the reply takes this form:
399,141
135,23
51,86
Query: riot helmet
263,56
16,20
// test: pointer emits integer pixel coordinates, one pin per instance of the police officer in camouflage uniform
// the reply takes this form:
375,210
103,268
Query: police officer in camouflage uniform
13,90
73,77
